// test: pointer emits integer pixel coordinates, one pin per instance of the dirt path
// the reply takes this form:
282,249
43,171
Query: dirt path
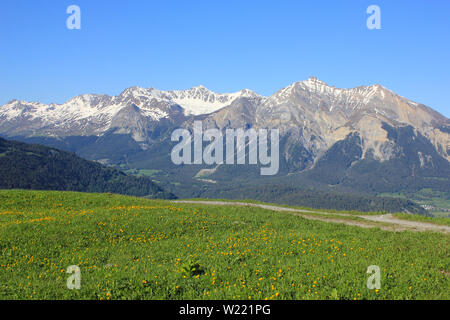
384,222
420,226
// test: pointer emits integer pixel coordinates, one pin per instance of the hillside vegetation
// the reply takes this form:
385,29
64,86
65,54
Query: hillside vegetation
30,166
132,248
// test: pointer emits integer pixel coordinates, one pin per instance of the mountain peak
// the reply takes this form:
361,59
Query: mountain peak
131,90
313,84
200,88
315,80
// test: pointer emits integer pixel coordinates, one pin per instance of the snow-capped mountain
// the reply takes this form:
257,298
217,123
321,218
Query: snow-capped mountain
91,114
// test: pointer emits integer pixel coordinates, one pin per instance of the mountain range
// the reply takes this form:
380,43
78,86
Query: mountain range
366,140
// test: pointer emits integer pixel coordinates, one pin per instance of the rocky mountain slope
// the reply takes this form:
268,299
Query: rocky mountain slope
318,116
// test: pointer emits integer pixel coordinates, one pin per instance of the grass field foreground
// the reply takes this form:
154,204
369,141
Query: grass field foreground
133,248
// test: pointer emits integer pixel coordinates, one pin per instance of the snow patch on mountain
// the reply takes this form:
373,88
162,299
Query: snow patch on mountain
200,100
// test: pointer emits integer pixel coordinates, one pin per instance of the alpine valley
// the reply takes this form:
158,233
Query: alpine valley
364,148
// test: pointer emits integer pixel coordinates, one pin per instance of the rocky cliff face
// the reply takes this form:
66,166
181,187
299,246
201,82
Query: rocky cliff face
318,116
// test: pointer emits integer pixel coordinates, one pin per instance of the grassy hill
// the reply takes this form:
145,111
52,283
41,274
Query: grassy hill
133,248
30,166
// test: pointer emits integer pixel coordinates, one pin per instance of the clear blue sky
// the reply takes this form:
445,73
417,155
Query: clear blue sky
225,45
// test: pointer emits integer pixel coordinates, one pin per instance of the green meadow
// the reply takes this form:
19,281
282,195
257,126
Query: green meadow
134,248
